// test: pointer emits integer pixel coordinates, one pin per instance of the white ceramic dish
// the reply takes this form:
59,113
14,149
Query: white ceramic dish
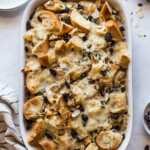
26,15
7,5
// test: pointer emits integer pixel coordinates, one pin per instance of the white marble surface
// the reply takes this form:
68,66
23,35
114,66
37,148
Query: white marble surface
9,62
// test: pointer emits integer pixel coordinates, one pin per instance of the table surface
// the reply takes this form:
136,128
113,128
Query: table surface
10,23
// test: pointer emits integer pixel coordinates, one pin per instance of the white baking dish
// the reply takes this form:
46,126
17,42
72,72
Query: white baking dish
26,15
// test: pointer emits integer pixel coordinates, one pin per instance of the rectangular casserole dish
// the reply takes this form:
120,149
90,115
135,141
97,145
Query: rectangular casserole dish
26,15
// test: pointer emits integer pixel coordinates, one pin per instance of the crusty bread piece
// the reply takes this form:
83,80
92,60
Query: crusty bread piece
47,144
48,59
53,5
78,21
41,48
75,43
48,20
109,140
60,46
32,107
65,28
123,60
106,11
114,29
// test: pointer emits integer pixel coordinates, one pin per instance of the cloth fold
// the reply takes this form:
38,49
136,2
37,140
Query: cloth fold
10,137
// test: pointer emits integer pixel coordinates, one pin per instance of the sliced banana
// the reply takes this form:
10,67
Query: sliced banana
108,140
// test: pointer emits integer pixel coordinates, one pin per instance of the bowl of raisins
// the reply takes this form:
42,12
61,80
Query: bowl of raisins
146,118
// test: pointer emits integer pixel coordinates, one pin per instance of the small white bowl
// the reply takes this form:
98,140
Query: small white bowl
147,108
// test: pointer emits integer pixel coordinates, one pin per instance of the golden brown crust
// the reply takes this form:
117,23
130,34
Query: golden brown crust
106,11
41,48
114,29
65,28
78,21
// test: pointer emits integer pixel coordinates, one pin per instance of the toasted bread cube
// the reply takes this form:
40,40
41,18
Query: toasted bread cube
49,21
123,60
114,29
106,11
75,43
65,28
60,46
53,5
78,21
32,107
48,59
41,48
47,144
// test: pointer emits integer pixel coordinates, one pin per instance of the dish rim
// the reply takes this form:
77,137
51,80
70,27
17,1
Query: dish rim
33,4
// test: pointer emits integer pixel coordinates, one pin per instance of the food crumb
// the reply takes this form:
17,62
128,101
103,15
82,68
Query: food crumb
144,35
136,25
139,33
140,4
140,15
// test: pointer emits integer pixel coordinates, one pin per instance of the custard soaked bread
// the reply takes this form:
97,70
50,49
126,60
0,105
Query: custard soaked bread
76,76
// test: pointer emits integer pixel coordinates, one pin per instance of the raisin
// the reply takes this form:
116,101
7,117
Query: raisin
83,75
79,7
92,82
122,28
53,72
81,108
123,135
146,117
114,116
146,147
49,136
46,100
101,91
108,37
31,17
39,18
140,4
84,38
99,8
111,50
66,9
84,123
67,20
42,111
112,43
116,127
64,0
90,18
28,25
72,81
84,117
74,134
77,149
65,96
26,49
103,72
122,89
109,90
29,124
67,84
66,37
79,140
